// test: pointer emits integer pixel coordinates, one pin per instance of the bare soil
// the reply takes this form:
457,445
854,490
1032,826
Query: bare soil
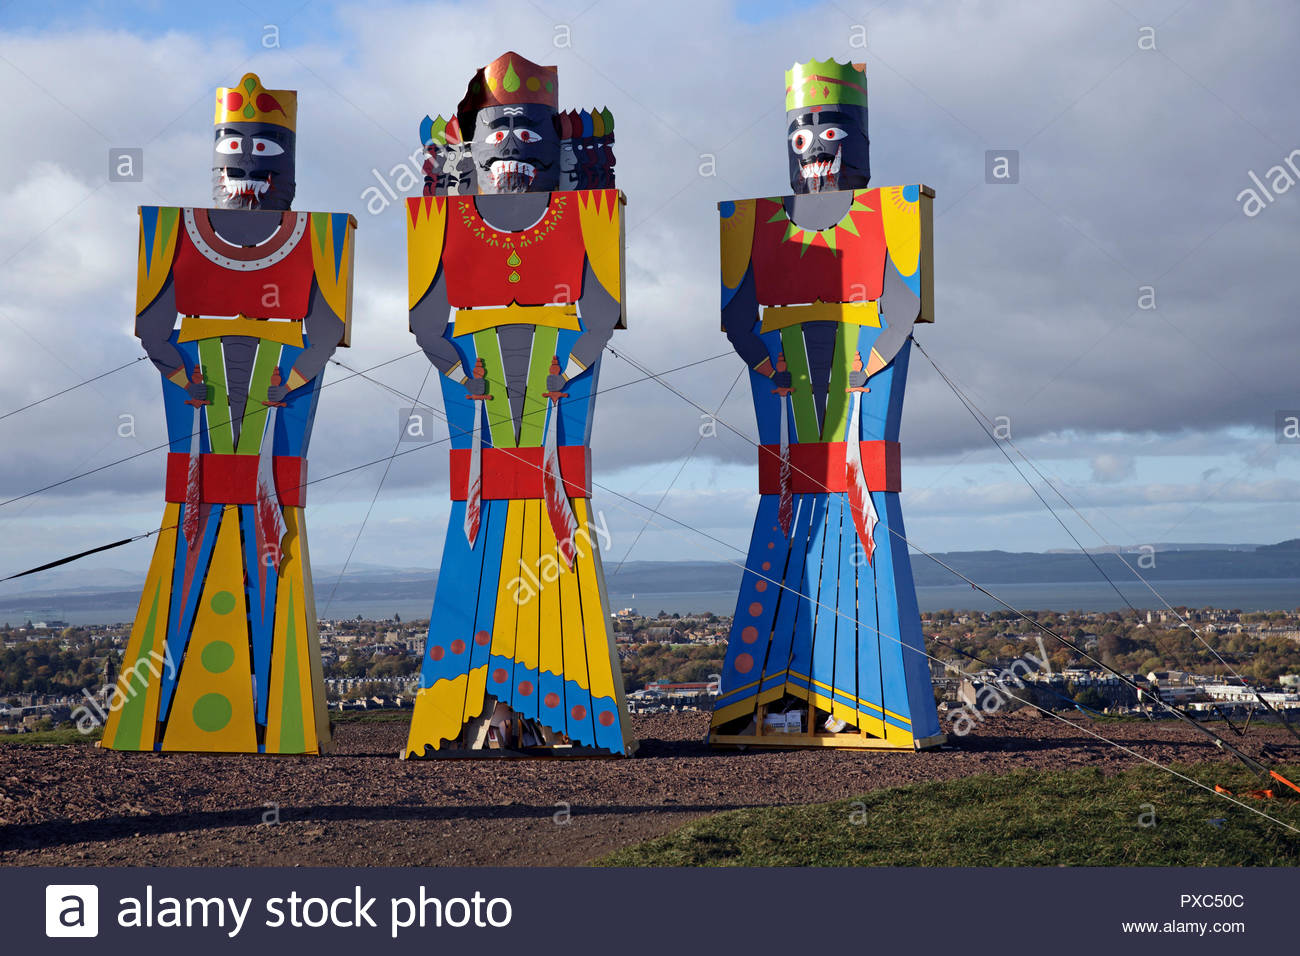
79,805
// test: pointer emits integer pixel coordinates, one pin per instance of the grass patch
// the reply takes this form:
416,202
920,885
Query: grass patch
1026,818
63,735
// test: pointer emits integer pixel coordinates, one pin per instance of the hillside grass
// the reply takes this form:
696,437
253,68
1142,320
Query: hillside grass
60,736
1026,818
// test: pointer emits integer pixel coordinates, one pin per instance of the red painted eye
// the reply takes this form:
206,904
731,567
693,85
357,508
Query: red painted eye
833,135
527,136
497,137
230,145
801,140
267,147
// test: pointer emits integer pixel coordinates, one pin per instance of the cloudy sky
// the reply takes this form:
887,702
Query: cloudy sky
1158,423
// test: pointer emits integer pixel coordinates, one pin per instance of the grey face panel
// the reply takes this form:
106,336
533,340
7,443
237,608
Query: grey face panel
515,149
253,166
828,148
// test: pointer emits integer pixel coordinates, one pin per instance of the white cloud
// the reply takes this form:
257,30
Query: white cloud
1129,169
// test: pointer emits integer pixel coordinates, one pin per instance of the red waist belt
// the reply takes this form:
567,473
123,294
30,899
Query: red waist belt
819,467
232,479
517,472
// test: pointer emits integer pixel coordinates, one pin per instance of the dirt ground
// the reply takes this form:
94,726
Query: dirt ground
78,805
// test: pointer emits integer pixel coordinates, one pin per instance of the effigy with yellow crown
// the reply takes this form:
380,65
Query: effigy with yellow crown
239,307
820,292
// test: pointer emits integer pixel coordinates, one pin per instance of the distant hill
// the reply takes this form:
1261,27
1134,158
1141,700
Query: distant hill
1292,545
1161,546
369,583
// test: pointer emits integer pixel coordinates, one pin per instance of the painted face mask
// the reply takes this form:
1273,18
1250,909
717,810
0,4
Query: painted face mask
511,107
826,126
570,126
515,149
586,149
253,147
596,159
434,138
458,166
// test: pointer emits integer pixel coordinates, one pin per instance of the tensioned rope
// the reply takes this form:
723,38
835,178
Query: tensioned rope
982,419
73,388
375,497
1254,765
680,468
63,481
1249,762
354,373
1142,692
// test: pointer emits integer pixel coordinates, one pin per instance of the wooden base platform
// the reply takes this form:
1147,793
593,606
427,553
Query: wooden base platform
532,753
835,741
501,733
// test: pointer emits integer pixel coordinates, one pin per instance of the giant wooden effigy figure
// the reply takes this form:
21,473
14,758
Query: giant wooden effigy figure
514,292
820,291
239,307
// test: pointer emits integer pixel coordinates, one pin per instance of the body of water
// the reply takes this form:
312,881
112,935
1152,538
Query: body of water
1274,594
1247,595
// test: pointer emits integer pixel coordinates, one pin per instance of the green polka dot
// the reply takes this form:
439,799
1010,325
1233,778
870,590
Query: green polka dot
250,84
212,712
217,657
223,602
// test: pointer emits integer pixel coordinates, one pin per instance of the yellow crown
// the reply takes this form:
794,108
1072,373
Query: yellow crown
251,102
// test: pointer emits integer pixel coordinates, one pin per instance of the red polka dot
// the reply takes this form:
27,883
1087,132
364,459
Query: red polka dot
760,587
551,700
606,718
771,545
749,635
436,652
482,638
578,712
755,609
526,688
499,675
458,646
744,664
767,565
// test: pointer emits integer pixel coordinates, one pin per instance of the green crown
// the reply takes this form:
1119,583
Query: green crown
825,82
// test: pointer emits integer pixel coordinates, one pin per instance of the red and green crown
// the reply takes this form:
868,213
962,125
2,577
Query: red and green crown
825,83
510,80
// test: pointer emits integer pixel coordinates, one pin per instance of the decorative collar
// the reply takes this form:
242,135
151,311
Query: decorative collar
293,226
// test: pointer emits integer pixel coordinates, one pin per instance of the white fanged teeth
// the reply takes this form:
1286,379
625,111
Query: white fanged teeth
510,173
821,169
241,187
